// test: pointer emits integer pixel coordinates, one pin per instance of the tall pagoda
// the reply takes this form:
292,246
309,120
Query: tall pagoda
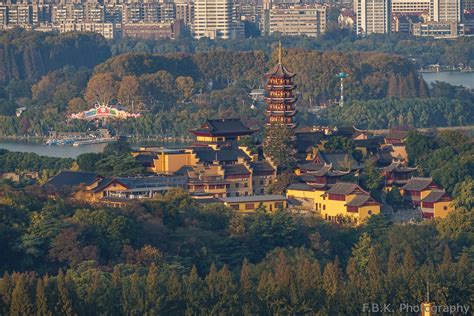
280,97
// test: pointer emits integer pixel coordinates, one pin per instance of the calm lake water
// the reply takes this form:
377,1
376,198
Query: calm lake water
70,151
465,79
52,151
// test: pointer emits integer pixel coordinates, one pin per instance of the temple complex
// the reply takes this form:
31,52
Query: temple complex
280,96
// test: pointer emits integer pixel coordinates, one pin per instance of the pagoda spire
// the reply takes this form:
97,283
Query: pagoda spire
280,50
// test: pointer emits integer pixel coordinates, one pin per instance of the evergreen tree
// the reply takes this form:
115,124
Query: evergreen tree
174,299
152,294
64,304
135,296
355,289
247,290
193,292
21,304
115,304
361,252
394,198
41,299
332,284
375,278
6,289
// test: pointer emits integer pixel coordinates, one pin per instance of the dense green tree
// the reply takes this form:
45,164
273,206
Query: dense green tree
394,198
277,145
373,178
362,252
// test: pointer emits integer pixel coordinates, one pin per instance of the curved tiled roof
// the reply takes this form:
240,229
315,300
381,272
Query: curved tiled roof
345,188
71,179
435,196
359,200
417,184
399,167
223,127
280,71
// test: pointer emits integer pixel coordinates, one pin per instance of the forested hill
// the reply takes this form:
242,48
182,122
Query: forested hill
371,75
55,75
29,55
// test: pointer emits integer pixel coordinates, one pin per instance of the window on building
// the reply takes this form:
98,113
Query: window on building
246,185
445,208
237,194
324,207
249,206
278,204
237,185
235,206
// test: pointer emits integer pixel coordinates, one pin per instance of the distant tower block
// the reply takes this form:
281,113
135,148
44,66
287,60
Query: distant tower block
280,97
342,76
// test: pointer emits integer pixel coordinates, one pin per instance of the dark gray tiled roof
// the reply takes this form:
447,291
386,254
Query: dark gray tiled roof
435,196
235,169
261,166
344,188
339,159
68,179
183,171
359,200
145,159
301,187
417,184
224,126
208,155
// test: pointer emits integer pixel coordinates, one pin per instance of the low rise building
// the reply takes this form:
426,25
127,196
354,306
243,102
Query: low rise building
397,174
114,191
107,30
347,19
437,204
249,204
416,189
440,29
341,201
148,31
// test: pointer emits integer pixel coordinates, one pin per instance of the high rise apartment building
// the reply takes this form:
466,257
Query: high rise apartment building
373,16
185,12
445,10
214,19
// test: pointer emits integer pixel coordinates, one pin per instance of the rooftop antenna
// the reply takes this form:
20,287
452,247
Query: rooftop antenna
279,52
